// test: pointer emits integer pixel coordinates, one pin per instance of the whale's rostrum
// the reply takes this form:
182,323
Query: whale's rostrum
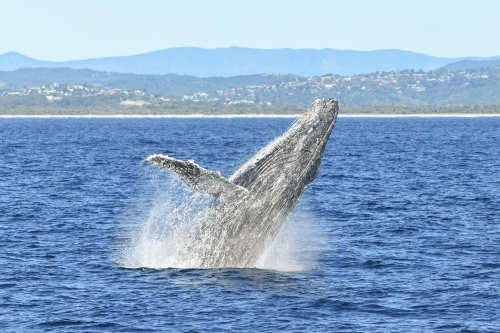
253,204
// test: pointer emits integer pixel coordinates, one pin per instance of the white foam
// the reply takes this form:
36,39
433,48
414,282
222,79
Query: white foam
158,237
296,247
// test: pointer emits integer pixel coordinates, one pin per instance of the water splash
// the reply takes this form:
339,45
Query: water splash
162,235
296,247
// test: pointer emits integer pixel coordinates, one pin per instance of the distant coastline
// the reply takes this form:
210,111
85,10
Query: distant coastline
449,115
289,111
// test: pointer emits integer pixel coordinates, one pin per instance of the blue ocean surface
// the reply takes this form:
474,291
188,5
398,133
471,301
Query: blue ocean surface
400,231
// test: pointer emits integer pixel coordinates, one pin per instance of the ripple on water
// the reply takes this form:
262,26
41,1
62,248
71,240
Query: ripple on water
399,233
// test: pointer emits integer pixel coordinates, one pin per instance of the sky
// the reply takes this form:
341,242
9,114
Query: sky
60,30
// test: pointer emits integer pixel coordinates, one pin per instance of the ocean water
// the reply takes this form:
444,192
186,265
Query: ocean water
400,232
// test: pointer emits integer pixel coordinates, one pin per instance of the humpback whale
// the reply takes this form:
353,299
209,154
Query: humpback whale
253,204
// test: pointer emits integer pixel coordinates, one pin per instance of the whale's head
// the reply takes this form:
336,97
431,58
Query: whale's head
310,134
319,119
294,159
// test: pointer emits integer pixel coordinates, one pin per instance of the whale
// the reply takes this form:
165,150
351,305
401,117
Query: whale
252,205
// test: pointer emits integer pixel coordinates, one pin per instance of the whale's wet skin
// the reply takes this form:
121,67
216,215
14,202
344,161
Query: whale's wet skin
254,203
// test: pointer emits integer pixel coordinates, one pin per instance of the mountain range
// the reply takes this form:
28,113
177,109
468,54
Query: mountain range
234,61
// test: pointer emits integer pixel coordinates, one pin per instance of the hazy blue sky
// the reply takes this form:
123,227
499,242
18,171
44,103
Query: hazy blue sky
63,30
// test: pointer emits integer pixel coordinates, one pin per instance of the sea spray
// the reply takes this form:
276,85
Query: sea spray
162,235
296,246
157,234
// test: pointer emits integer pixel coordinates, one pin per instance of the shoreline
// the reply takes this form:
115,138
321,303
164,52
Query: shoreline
156,116
422,115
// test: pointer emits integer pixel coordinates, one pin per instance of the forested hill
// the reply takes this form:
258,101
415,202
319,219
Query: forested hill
407,87
470,64
169,84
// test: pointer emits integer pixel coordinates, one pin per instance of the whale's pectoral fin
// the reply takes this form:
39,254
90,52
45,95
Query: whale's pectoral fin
200,179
